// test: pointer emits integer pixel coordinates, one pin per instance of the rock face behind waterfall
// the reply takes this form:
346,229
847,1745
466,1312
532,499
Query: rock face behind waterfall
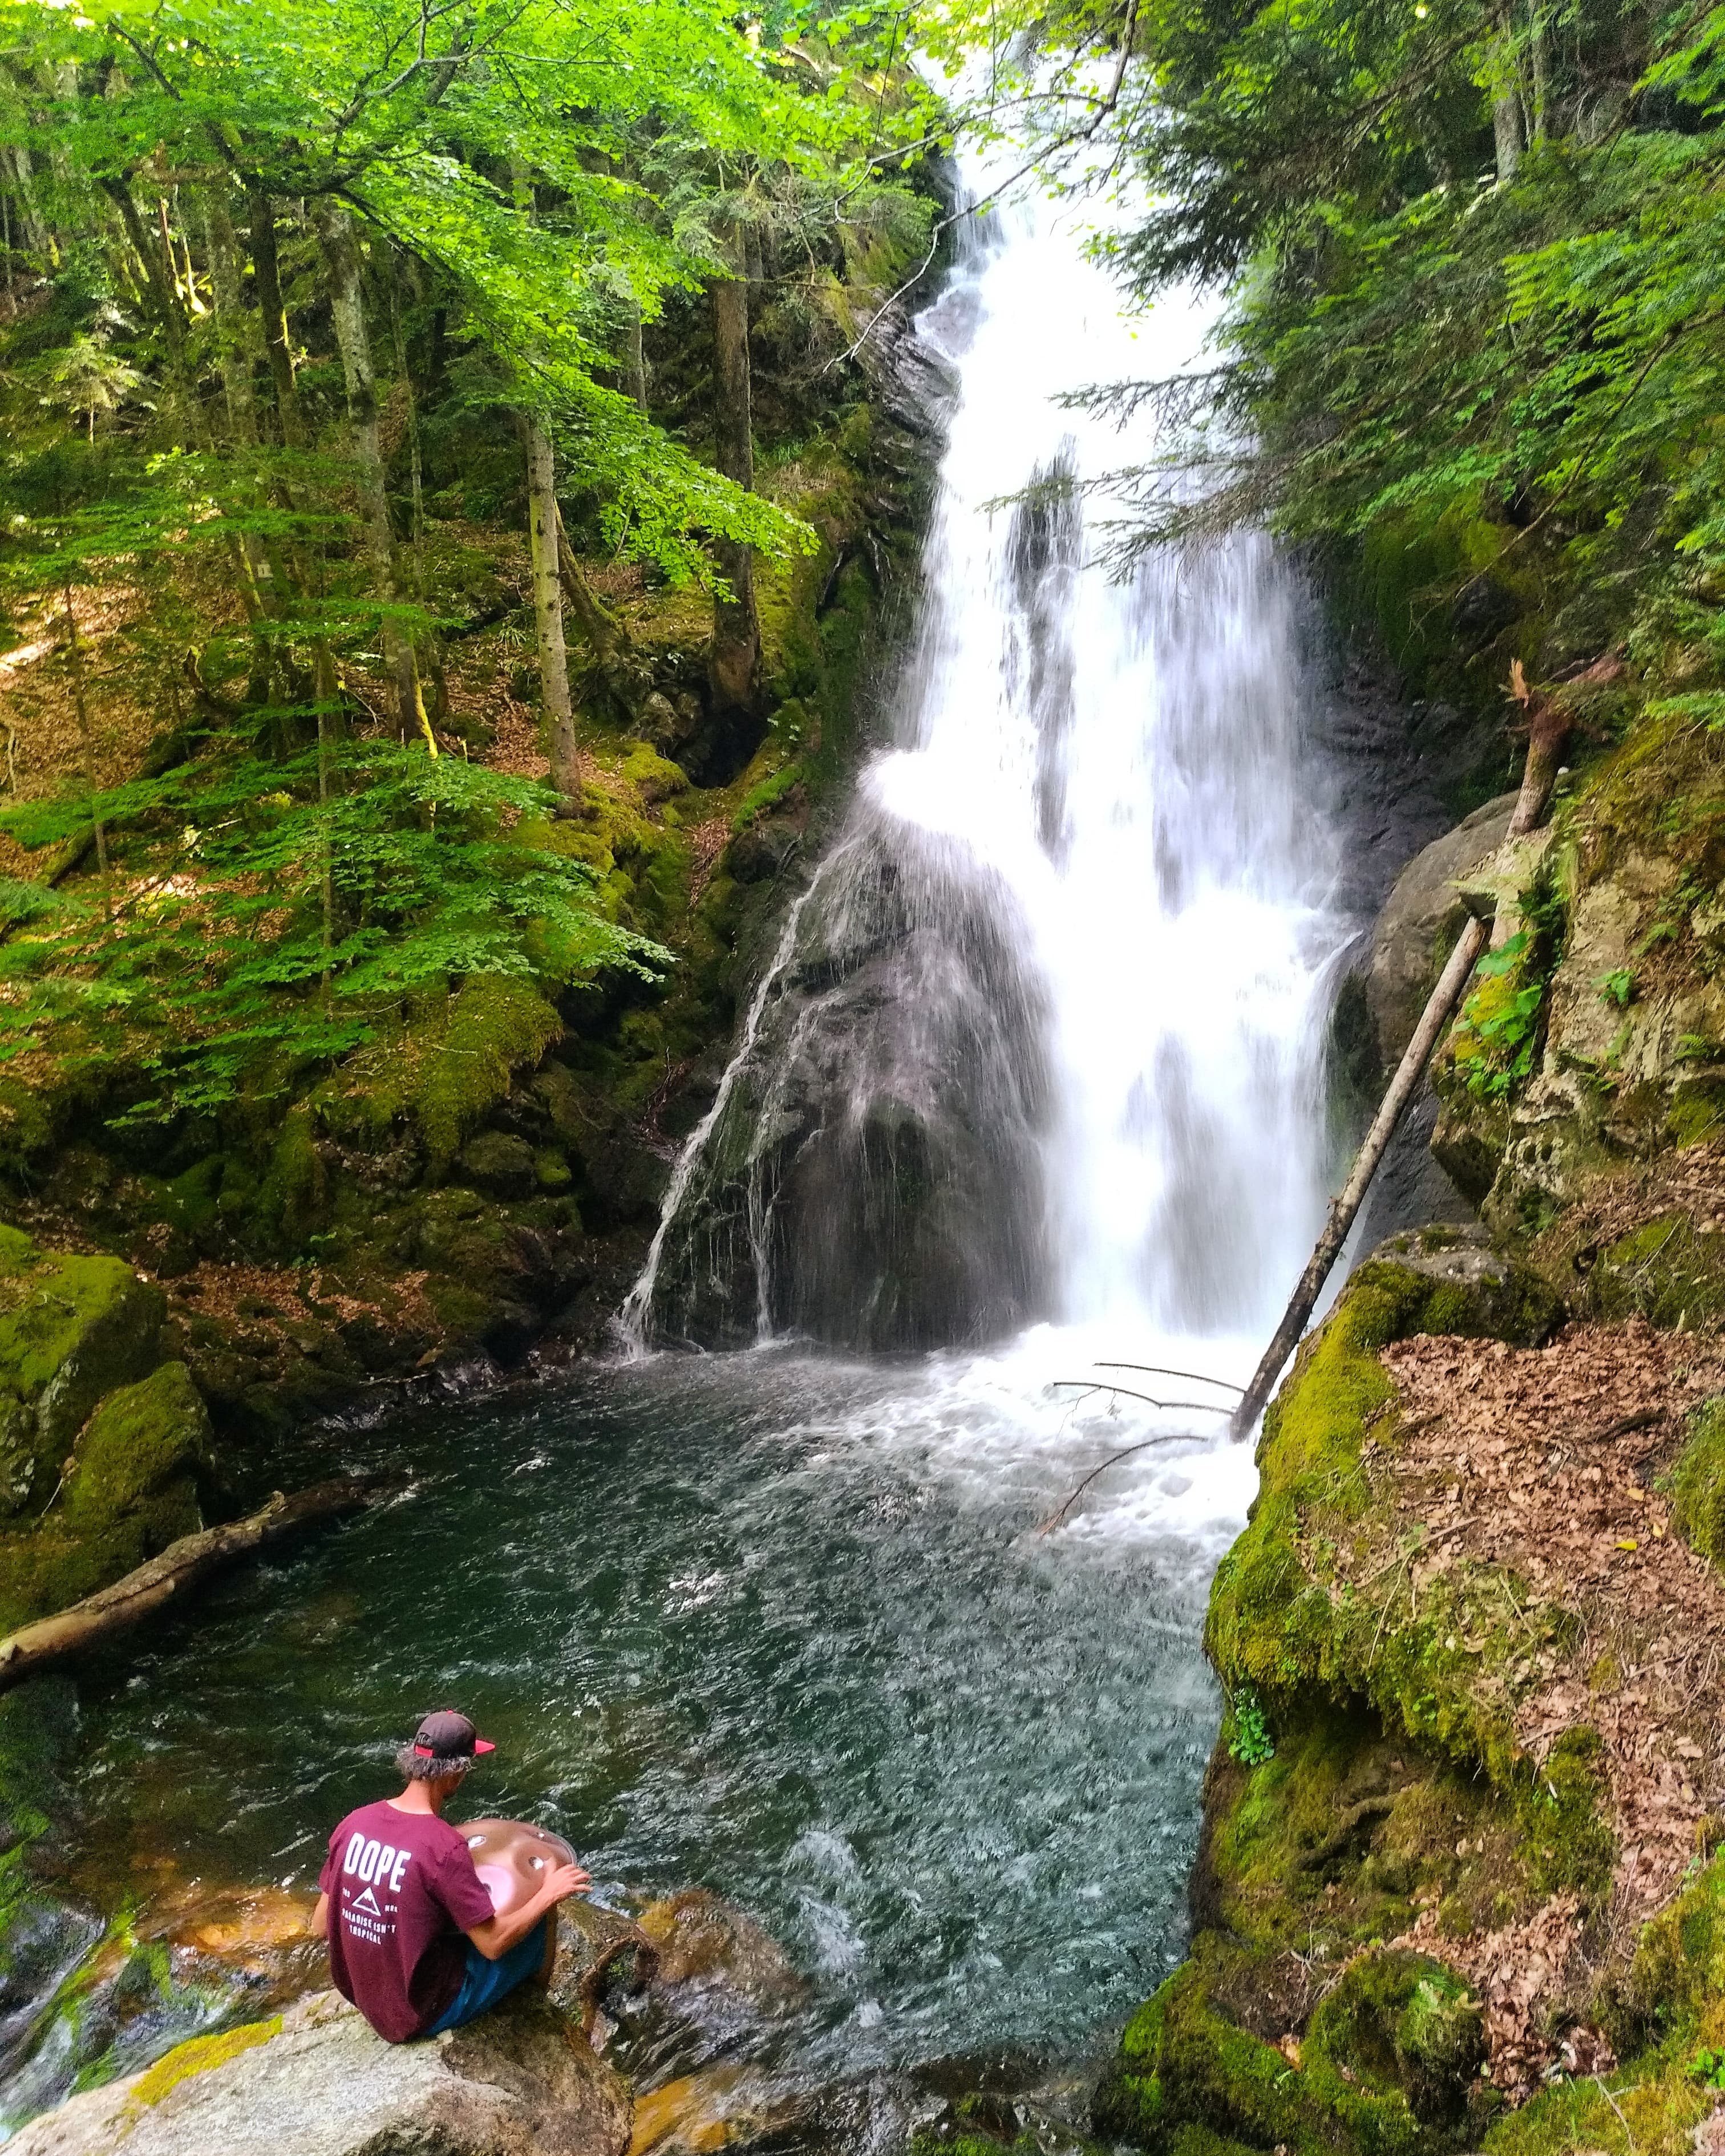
316,2081
875,1177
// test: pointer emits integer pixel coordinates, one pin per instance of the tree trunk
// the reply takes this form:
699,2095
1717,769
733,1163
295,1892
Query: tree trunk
86,739
233,328
635,371
181,1564
734,660
1541,58
38,240
542,531
266,269
1506,100
335,230
1550,730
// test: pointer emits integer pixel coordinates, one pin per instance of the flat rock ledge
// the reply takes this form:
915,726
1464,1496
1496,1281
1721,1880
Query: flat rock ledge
522,2081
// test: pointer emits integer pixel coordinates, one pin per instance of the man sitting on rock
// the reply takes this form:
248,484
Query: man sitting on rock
399,1890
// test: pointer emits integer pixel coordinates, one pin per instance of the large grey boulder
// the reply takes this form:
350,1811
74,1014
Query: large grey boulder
1420,922
522,2081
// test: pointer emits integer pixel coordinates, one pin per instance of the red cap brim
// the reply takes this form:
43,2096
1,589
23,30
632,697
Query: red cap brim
482,1744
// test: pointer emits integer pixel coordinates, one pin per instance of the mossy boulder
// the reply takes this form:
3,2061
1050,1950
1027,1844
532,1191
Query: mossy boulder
72,1328
1698,1483
141,1456
132,1486
1387,2064
1274,1621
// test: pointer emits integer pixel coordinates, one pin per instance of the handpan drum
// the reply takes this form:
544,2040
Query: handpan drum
512,1858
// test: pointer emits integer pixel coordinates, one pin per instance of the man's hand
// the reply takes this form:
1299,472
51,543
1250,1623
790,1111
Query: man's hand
560,1882
496,1937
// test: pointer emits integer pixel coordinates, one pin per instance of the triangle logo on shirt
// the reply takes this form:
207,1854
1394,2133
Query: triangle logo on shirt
367,1901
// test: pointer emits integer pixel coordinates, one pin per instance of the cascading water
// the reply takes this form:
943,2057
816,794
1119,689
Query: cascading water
1043,1040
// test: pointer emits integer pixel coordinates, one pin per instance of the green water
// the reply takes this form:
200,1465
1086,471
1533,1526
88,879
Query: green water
772,1624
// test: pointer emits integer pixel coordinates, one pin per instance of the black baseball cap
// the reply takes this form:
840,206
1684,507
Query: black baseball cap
447,1735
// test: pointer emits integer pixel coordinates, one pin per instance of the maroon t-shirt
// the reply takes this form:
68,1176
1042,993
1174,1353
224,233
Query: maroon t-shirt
403,1890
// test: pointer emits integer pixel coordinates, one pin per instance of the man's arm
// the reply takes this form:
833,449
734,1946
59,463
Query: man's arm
321,1918
496,1937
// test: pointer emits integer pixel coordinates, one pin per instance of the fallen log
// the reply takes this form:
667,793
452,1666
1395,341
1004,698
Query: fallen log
164,1579
1548,728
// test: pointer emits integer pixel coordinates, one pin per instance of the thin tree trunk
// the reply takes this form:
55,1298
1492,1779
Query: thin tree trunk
635,371
734,660
542,526
609,638
38,240
266,271
326,691
334,230
1506,100
232,329
1541,60
86,736
1551,729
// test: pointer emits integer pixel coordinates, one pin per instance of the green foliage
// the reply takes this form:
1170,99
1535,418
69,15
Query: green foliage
1249,1741
223,969
1707,2066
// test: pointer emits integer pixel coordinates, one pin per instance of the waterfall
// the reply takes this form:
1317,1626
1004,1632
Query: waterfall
1043,1039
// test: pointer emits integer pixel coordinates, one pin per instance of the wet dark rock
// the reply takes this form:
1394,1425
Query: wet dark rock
759,854
1483,608
499,1164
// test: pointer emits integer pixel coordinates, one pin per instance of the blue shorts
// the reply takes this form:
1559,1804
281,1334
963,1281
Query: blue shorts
484,1983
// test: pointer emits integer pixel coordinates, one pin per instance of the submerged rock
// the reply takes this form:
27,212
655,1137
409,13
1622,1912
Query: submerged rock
316,2081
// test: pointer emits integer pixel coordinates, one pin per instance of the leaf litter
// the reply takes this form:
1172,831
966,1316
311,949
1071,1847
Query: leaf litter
1542,1464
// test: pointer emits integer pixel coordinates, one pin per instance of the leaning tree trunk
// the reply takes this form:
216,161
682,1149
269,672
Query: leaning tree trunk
543,533
1548,728
734,661
334,230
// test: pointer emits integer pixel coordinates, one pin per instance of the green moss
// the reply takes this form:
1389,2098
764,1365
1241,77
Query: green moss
141,1453
199,2056
1181,2063
71,1328
1664,1271
1698,1483
654,777
291,1202
761,797
449,1066
1391,2050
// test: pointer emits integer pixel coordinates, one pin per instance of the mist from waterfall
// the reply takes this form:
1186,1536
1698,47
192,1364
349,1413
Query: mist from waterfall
1044,1040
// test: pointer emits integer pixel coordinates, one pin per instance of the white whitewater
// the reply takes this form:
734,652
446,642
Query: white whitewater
1126,763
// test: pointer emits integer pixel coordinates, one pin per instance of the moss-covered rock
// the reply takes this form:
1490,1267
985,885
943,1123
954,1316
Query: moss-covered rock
141,1454
131,1487
1698,1483
1277,1621
72,1327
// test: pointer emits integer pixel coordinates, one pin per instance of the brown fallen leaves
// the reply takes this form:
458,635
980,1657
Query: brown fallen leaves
1514,1972
1541,1462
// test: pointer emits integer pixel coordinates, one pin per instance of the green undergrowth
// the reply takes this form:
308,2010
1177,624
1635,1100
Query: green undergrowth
1698,1483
